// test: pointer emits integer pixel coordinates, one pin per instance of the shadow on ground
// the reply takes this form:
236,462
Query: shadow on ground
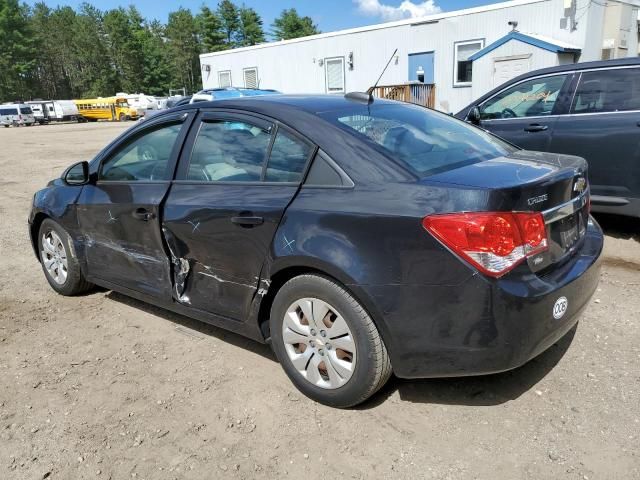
195,328
477,391
485,390
618,226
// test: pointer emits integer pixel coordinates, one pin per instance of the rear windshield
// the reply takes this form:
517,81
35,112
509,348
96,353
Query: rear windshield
425,141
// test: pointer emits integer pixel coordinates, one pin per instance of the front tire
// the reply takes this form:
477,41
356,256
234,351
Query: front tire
58,259
327,343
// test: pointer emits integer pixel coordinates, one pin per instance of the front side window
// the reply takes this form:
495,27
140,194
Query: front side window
229,151
462,66
532,98
288,158
334,72
224,79
616,90
144,158
425,141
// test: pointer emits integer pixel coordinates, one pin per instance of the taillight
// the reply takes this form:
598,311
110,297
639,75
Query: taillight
493,242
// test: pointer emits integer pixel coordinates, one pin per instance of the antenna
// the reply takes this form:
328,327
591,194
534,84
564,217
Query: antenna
371,89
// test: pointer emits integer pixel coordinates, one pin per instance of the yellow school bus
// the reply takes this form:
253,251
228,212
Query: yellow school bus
107,108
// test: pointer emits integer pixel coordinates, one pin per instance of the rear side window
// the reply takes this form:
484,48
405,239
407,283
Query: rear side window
532,98
600,91
425,141
8,111
229,151
288,158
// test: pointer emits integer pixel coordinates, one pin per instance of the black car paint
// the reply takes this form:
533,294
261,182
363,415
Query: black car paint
436,314
608,141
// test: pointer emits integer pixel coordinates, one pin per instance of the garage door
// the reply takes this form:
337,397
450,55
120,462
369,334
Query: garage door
508,68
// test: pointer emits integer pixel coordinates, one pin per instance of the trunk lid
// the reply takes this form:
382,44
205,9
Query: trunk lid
525,181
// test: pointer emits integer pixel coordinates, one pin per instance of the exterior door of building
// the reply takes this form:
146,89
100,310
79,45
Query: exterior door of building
421,67
505,69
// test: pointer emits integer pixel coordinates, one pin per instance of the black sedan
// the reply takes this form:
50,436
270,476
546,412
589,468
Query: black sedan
358,237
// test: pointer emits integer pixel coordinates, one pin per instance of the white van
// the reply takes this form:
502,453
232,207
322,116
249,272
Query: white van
16,114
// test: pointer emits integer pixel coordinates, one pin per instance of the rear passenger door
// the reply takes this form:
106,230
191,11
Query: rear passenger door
236,176
525,113
604,128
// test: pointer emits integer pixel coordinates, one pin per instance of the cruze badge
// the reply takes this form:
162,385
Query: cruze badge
560,308
538,199
580,185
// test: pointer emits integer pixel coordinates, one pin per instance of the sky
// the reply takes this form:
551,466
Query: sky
329,15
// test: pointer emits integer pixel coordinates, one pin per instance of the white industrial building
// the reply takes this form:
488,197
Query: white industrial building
462,53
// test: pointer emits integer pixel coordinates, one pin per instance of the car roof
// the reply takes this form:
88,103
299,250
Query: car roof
274,104
571,67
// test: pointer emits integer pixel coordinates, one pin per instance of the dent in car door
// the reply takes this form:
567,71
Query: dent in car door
119,215
223,210
604,128
525,113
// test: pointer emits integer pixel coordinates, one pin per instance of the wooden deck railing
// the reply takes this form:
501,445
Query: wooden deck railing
419,93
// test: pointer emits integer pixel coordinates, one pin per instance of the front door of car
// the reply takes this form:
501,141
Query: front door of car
604,128
525,113
120,213
237,174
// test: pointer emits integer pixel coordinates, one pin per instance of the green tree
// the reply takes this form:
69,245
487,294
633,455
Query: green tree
229,15
250,30
156,69
291,25
210,31
17,51
123,31
183,49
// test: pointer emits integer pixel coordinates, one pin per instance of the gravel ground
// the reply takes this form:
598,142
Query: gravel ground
102,386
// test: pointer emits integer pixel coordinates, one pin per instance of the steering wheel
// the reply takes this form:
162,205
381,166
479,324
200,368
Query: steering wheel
508,113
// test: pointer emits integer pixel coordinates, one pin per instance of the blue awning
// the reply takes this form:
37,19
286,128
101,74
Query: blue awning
539,41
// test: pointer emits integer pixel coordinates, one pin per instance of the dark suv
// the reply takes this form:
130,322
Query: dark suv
588,109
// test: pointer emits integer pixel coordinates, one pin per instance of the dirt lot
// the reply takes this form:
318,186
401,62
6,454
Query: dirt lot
102,386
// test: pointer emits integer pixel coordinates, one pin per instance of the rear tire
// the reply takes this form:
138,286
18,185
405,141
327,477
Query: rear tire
358,362
59,262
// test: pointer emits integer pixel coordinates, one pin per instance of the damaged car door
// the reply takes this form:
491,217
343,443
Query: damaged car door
237,174
119,213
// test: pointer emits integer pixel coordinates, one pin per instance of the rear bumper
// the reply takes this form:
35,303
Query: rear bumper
485,326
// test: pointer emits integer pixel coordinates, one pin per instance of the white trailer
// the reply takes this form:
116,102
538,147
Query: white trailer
46,111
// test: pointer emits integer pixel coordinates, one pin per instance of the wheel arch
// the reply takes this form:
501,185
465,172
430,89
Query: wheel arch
282,275
34,230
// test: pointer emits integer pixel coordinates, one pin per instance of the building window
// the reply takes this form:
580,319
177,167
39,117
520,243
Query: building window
334,74
224,79
250,77
462,66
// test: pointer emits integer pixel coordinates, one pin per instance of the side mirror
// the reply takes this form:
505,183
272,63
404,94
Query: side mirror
474,116
77,174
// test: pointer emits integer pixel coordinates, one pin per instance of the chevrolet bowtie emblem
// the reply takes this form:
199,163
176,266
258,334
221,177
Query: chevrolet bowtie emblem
580,185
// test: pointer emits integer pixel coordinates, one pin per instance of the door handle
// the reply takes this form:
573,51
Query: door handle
638,124
535,127
247,221
143,214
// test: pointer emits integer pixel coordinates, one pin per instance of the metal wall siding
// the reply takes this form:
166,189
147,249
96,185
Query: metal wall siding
297,67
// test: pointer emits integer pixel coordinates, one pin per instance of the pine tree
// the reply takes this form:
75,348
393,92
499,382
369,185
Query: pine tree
183,49
210,31
17,52
291,25
229,15
250,30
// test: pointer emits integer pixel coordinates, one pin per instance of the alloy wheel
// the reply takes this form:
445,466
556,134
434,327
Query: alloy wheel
54,257
319,343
